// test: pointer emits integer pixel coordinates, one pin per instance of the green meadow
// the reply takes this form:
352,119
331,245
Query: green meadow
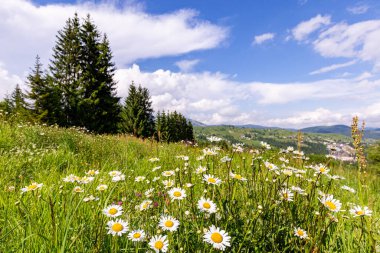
64,190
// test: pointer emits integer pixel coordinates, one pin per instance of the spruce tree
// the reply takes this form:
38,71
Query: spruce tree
18,104
99,106
45,97
66,71
138,113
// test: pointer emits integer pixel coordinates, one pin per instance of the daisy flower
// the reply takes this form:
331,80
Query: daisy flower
139,179
92,172
168,173
168,223
146,204
209,151
137,235
200,170
78,189
159,243
117,227
177,193
118,178
321,169
102,187
90,198
212,180
70,178
113,211
86,180
298,190
115,173
286,194
206,205
357,211
168,183
332,204
214,139
270,166
218,238
32,187
148,193
300,233
154,159
265,145
347,188
237,176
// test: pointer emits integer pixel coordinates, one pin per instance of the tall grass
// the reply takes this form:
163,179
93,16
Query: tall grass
254,213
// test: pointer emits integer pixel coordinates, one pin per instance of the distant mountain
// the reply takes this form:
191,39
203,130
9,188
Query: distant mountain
372,133
197,123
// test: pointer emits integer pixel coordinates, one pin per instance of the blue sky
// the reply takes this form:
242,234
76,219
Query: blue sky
279,63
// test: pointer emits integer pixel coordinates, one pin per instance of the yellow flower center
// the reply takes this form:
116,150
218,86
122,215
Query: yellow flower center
32,187
177,194
322,169
136,235
360,212
300,232
206,205
117,227
91,172
112,211
330,205
159,245
216,237
169,223
285,195
78,189
237,176
145,205
211,180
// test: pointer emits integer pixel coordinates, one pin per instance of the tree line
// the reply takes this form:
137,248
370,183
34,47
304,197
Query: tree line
78,89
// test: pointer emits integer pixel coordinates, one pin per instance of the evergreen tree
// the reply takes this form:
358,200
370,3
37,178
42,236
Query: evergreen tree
46,98
66,71
173,127
99,106
18,104
138,113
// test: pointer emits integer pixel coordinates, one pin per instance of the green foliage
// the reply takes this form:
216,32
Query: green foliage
373,154
138,113
173,127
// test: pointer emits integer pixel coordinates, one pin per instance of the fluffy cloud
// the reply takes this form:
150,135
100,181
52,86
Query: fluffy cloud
186,65
8,81
333,67
303,29
133,33
215,98
259,39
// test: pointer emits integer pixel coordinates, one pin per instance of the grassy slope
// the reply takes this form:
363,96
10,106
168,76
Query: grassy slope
55,219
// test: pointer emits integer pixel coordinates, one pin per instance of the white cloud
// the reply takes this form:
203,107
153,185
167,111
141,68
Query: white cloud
186,65
359,40
259,39
303,29
319,116
332,67
359,9
133,33
8,82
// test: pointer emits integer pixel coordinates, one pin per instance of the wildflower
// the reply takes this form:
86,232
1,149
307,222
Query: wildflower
90,198
212,180
287,172
209,151
206,205
32,187
113,211
168,183
86,180
139,179
137,235
102,187
148,193
159,243
238,176
168,173
177,193
265,145
225,159
155,179
321,169
118,178
270,166
154,159
286,194
218,238
156,168
115,173
92,172
200,170
146,204
214,139
290,149
70,178
347,188
189,185
78,189
238,147
298,190
168,223
332,204
117,227
300,233
357,211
